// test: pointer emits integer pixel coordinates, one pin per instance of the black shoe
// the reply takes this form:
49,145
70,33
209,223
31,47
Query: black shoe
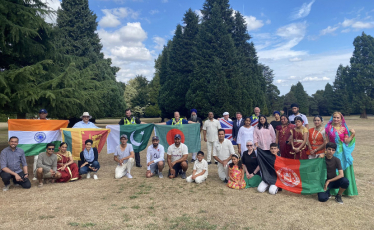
138,165
216,163
338,199
209,163
192,160
279,190
225,181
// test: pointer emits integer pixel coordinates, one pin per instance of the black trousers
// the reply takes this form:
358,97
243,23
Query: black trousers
6,179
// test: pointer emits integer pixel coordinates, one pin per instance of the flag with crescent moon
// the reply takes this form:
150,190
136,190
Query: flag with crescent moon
137,135
76,137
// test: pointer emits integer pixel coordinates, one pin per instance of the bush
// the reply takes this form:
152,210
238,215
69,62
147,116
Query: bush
152,111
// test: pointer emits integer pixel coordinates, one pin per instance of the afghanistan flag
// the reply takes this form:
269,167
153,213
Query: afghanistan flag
137,135
298,176
76,137
35,134
190,135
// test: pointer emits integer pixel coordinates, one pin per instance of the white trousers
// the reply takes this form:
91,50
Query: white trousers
194,156
263,186
198,179
34,166
121,170
223,172
209,146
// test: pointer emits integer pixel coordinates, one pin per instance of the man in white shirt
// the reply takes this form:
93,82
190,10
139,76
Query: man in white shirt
295,111
210,131
124,155
226,116
155,158
177,158
85,123
200,169
222,151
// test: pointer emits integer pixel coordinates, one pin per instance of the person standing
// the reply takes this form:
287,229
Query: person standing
255,116
128,120
210,131
276,121
177,120
155,158
245,134
85,122
236,125
317,138
11,159
263,134
124,156
195,118
226,116
295,111
177,158
222,153
47,165
299,137
283,134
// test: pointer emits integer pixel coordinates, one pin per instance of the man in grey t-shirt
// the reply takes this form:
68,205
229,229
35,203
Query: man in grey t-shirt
124,156
46,168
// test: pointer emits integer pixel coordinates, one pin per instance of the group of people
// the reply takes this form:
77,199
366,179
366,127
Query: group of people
238,170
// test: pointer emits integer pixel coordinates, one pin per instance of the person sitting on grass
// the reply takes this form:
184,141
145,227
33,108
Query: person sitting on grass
263,186
252,175
177,158
200,169
124,155
155,158
46,168
89,160
236,174
11,159
333,181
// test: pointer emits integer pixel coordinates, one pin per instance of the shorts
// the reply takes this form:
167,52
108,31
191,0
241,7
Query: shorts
47,175
154,168
178,168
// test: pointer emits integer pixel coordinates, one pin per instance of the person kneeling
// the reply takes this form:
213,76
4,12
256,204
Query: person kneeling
177,158
263,186
155,158
124,155
200,169
333,181
88,162
46,168
236,174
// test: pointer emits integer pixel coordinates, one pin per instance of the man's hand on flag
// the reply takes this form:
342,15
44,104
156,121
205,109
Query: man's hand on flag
326,185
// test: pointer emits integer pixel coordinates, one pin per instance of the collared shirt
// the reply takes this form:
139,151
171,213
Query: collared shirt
211,128
292,118
177,152
199,166
155,154
223,150
12,159
125,153
81,124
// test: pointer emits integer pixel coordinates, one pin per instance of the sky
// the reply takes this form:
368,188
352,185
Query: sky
299,40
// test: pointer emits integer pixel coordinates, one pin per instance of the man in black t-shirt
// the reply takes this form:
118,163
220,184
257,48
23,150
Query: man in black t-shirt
333,181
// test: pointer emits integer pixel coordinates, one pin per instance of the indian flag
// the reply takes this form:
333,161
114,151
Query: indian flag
33,135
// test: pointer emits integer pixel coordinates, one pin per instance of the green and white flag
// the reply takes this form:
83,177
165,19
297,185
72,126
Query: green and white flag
137,135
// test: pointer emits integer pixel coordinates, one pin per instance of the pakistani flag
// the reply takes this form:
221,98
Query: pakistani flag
190,134
298,176
138,136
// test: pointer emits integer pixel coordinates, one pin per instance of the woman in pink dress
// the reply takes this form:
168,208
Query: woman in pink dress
236,174
263,134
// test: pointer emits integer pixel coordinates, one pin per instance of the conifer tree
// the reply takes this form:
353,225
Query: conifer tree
340,101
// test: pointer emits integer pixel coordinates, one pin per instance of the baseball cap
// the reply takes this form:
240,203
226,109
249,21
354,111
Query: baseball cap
155,138
123,136
226,113
177,136
43,111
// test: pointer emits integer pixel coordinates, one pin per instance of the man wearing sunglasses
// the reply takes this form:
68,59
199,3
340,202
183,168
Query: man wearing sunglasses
47,165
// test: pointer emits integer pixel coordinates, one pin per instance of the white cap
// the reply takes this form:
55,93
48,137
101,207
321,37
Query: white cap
86,114
225,113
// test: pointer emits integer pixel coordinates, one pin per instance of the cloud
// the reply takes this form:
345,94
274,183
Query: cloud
356,24
160,42
125,46
316,79
268,21
54,4
296,59
303,11
279,81
112,16
253,23
152,12
328,30
198,12
346,31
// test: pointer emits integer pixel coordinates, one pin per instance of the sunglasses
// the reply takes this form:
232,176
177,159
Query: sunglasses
51,148
249,145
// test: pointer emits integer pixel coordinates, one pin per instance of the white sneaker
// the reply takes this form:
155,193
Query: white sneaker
95,176
128,175
88,175
160,175
34,178
6,188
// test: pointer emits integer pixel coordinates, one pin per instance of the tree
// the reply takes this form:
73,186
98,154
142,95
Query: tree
328,95
301,97
340,100
272,91
154,87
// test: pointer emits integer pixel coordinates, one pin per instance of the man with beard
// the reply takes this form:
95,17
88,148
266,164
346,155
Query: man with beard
128,120
195,119
155,158
210,131
295,111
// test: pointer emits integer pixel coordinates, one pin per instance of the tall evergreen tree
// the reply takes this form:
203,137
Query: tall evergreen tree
328,96
272,92
301,97
340,100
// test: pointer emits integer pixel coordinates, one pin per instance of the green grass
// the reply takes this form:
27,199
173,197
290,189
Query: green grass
46,217
89,224
74,224
135,207
186,222
133,197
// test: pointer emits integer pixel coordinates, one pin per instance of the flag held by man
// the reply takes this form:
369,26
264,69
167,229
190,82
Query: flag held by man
76,137
227,126
35,134
298,176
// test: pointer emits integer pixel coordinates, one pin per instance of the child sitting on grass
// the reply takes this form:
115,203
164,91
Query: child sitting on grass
200,169
236,174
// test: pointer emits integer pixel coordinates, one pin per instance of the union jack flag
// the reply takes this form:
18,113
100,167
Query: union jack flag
227,126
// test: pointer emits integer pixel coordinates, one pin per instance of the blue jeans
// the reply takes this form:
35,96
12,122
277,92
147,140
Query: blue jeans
85,169
341,183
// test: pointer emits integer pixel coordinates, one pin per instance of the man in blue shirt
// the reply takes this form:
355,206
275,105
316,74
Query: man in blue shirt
85,123
10,160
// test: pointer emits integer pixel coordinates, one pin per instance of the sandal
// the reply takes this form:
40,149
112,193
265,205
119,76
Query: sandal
40,185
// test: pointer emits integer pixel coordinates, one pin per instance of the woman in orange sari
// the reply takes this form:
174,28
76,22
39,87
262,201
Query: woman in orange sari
65,165
317,138
298,139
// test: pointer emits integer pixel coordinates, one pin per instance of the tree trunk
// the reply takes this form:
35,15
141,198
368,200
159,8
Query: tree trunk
363,114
